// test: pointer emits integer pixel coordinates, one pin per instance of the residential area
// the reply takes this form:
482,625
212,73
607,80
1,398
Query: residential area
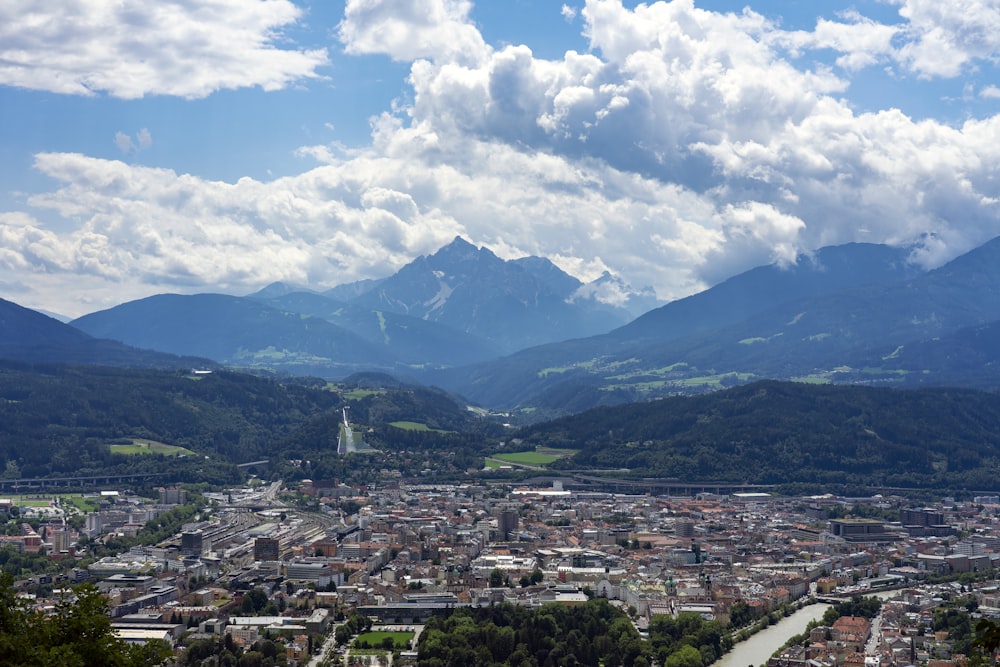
311,566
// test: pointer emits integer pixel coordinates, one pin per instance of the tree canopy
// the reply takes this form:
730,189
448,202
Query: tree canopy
77,634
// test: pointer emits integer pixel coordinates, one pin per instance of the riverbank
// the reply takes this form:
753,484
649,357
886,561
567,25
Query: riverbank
758,648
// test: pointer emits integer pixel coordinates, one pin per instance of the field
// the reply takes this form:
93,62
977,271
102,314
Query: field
415,426
85,505
358,394
26,501
400,640
540,457
150,447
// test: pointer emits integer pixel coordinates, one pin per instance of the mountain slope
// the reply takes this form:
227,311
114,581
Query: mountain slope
236,331
511,304
29,336
780,432
678,341
409,339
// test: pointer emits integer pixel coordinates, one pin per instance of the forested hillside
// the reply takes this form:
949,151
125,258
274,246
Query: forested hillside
59,420
777,433
62,420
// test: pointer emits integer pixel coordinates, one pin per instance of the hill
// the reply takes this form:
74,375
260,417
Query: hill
779,433
238,332
62,420
848,315
29,336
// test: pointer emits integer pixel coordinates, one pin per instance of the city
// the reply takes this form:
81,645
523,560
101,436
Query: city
290,564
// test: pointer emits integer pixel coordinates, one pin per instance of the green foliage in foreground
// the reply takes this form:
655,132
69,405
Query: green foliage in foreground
595,633
384,640
78,634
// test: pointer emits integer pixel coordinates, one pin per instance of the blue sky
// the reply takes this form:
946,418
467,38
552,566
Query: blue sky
225,144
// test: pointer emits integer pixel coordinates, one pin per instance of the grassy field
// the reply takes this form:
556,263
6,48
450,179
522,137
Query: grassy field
358,394
541,457
527,458
415,426
85,505
400,640
552,451
22,501
150,447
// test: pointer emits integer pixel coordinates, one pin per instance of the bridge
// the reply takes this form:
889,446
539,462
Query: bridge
38,483
666,486
263,464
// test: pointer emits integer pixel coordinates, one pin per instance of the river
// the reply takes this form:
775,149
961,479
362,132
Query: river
756,650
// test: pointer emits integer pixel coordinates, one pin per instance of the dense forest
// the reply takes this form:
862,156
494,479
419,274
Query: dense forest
778,432
562,636
62,420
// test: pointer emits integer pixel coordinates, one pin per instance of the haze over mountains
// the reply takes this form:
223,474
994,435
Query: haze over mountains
522,333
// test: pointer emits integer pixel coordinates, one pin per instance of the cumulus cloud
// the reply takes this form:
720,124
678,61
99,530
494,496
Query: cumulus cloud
861,41
125,143
133,49
943,38
684,146
407,30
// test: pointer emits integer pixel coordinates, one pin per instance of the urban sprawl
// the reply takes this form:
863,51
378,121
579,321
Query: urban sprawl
321,552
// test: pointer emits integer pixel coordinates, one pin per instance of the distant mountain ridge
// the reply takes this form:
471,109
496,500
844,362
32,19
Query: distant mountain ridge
31,337
857,313
847,315
512,304
461,305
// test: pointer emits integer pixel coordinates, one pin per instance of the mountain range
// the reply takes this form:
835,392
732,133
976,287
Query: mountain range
855,313
522,334
459,306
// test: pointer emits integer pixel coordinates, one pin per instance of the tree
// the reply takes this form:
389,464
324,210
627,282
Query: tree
78,634
687,656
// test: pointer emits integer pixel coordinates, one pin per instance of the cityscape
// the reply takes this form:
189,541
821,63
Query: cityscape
292,563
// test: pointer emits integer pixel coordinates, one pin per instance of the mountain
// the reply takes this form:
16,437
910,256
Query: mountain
412,341
677,347
778,433
350,291
462,305
762,288
31,337
239,332
510,304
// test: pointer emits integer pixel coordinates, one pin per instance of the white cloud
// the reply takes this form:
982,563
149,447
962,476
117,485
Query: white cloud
685,146
133,49
124,142
990,93
862,41
143,140
569,13
943,38
407,30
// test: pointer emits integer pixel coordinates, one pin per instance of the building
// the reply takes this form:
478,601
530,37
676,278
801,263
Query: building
266,548
172,496
507,523
861,530
191,543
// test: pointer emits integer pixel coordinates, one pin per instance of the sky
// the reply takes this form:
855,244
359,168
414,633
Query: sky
192,146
